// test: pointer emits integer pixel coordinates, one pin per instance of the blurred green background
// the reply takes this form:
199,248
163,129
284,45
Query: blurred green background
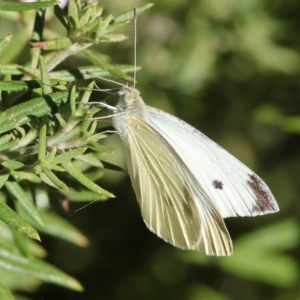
231,69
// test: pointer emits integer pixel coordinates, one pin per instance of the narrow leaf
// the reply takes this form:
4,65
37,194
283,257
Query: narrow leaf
25,176
85,181
42,142
12,219
113,38
128,15
53,178
19,6
88,72
59,227
22,113
5,138
14,262
82,195
67,155
73,14
98,61
262,249
91,160
3,179
53,44
12,164
4,43
5,292
46,86
24,200
8,145
15,86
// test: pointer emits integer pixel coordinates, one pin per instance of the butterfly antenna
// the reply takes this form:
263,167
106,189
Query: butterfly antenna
135,13
85,206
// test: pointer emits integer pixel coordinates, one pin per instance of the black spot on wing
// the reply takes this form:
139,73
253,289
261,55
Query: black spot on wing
263,196
218,184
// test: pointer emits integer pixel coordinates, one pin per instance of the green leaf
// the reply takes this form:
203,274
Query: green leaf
12,219
60,228
279,236
8,145
279,270
5,138
98,61
113,38
73,14
10,69
87,94
5,293
256,255
91,160
19,6
89,13
14,86
22,113
42,142
25,176
81,195
18,264
56,182
12,164
17,241
53,44
45,179
68,166
24,200
67,155
3,179
4,43
46,86
88,72
128,15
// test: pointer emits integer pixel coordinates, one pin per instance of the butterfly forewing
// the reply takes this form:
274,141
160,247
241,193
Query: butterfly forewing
232,186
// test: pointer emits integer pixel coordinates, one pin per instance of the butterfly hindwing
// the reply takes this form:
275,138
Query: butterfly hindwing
231,185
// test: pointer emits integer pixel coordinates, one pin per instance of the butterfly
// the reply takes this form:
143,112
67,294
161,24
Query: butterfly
185,183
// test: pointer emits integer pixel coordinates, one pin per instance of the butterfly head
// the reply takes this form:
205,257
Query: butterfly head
128,97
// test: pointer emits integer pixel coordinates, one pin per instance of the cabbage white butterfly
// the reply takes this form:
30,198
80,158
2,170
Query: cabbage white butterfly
184,182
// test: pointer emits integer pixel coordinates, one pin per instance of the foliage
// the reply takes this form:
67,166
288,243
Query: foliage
49,138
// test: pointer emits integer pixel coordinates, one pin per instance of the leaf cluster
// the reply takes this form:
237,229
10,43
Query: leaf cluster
49,143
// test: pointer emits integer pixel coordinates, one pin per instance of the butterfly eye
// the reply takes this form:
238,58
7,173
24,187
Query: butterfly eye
128,99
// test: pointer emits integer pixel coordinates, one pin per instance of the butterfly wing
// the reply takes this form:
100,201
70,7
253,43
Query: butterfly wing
228,183
173,204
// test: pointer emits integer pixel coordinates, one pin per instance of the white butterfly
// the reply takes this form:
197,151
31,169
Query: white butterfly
184,182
